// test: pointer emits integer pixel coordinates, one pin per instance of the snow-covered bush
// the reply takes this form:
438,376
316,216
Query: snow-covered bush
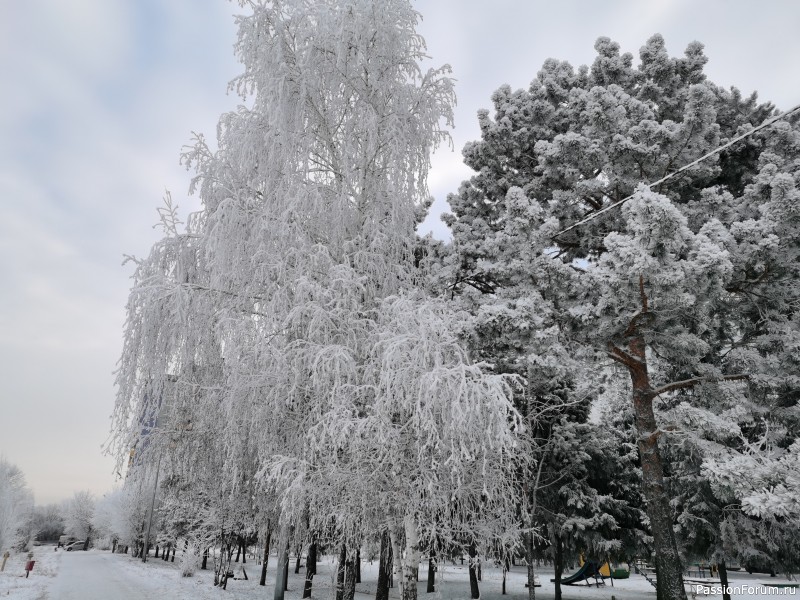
190,560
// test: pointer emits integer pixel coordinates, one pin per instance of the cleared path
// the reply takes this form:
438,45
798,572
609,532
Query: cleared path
98,576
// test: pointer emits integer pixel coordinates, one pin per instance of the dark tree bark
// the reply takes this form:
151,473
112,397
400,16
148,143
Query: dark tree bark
238,549
297,561
384,568
204,564
350,577
340,568
558,560
311,569
156,555
723,579
173,554
358,565
474,590
286,570
506,569
669,570
263,580
432,573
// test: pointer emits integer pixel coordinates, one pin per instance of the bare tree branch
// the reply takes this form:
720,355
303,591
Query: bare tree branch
689,383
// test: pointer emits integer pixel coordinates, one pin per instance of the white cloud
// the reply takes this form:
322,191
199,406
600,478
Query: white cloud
99,97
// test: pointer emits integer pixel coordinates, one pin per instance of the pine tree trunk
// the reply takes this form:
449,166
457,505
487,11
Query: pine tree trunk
431,572
311,569
281,572
263,580
474,590
558,561
384,568
723,579
669,570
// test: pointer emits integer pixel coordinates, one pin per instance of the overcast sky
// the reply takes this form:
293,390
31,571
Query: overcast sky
99,96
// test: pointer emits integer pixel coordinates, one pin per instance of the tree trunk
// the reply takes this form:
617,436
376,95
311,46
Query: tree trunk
408,590
432,573
238,549
311,569
204,564
506,569
350,577
384,568
286,570
156,555
669,571
723,579
297,562
474,590
358,565
263,580
281,573
558,561
528,540
340,568
173,554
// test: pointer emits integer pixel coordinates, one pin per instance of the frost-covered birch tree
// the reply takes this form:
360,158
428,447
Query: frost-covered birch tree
16,504
286,315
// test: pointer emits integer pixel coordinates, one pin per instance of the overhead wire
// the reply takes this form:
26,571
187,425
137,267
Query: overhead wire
669,176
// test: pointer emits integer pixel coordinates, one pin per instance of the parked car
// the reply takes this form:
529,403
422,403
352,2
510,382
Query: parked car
65,539
75,546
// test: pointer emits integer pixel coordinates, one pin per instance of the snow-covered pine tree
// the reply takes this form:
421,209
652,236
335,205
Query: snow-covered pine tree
668,286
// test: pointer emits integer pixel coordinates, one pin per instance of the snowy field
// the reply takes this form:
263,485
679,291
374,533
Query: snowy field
97,575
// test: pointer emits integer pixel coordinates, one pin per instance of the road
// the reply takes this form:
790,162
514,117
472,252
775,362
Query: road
98,576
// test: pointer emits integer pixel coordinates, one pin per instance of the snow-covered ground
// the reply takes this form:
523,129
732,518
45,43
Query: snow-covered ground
97,575
13,583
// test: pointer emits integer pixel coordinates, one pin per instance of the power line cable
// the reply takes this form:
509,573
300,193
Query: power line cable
596,214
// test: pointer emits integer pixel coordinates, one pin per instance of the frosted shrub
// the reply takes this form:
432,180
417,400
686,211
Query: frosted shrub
190,560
